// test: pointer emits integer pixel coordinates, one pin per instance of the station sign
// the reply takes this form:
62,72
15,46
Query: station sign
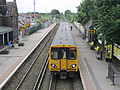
22,27
27,25
91,31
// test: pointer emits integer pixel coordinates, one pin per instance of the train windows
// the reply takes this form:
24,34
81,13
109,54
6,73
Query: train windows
63,53
54,53
59,53
72,54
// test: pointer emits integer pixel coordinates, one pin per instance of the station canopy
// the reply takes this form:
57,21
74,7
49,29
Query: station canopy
5,29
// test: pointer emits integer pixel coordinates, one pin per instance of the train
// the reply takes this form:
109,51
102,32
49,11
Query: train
63,53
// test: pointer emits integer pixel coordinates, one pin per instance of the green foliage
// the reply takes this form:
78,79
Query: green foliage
85,11
69,16
106,18
68,12
55,14
108,21
46,17
20,44
6,51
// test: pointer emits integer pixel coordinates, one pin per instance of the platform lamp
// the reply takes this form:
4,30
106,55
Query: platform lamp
34,7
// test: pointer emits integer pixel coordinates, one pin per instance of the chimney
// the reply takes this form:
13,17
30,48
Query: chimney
3,11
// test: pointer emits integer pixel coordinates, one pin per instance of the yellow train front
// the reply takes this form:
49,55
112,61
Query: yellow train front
63,55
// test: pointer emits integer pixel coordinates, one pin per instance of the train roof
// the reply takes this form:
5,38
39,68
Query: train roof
63,35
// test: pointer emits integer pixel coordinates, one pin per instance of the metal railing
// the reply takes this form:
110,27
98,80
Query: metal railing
113,73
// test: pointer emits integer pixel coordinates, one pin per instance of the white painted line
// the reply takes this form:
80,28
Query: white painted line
89,74
83,82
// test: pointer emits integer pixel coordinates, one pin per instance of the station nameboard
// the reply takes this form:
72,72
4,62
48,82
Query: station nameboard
22,27
27,25
91,31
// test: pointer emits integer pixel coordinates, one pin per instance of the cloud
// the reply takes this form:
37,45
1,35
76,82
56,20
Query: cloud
47,5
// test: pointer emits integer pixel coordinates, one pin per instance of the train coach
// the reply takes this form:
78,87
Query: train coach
63,53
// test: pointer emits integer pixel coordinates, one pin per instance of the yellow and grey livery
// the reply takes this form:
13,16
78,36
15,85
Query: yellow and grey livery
63,54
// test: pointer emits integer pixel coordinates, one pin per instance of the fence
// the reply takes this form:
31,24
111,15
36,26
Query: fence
113,73
33,29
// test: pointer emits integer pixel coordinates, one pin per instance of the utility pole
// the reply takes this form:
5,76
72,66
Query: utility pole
34,7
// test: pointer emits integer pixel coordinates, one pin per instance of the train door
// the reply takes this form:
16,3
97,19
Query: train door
63,58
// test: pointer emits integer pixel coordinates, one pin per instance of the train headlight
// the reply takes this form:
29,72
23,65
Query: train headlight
73,66
53,65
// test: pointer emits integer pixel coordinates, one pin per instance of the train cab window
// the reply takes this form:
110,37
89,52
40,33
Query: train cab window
72,53
54,54
59,53
63,54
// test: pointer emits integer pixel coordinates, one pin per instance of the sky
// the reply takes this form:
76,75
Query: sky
46,6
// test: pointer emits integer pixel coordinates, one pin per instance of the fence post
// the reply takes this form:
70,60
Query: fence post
113,77
108,71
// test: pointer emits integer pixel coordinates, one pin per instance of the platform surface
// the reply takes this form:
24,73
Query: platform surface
92,70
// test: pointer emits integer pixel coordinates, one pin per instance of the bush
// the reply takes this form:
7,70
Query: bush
20,44
6,51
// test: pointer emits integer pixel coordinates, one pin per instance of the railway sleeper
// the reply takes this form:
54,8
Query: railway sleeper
63,74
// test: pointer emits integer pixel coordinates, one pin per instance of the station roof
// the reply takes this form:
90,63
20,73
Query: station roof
63,35
5,29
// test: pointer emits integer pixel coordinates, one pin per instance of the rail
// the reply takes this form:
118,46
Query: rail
56,82
41,75
25,75
52,85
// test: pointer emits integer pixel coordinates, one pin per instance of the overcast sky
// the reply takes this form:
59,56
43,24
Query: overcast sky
47,5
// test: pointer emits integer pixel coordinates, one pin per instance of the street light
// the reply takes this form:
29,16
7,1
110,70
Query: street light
34,7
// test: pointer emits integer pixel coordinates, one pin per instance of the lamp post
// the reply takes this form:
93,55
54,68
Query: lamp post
34,7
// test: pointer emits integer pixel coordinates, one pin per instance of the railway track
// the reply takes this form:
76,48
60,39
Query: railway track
26,77
41,75
65,84
61,84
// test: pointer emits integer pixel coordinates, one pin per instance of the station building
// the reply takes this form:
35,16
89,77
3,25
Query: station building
8,22
6,35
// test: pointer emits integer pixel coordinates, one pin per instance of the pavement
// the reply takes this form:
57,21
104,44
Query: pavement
93,71
10,63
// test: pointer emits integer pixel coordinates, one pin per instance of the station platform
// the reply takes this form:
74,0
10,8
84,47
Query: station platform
10,62
93,71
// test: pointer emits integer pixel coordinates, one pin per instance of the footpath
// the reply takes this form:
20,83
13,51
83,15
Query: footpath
93,71
10,63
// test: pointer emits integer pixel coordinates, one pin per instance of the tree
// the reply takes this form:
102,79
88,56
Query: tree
56,14
108,20
69,16
85,11
68,12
